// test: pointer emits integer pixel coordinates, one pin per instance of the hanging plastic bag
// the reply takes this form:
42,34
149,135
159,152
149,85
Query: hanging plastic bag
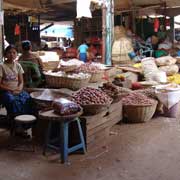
83,8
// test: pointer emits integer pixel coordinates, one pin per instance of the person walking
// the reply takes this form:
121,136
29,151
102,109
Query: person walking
82,50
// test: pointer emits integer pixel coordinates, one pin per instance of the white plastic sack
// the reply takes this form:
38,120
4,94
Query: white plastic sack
170,70
168,96
149,68
165,61
149,65
158,76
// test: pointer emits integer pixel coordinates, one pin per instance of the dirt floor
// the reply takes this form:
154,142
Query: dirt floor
149,151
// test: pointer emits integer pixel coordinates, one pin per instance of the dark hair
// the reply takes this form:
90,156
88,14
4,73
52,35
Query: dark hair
11,46
26,45
83,41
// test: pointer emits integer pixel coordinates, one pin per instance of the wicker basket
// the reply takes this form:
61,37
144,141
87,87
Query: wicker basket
119,96
96,77
122,62
92,109
68,68
46,66
65,82
140,113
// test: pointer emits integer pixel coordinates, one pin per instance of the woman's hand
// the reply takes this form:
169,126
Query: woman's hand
17,90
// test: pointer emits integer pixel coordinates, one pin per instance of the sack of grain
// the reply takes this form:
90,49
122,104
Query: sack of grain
149,66
170,70
165,61
151,71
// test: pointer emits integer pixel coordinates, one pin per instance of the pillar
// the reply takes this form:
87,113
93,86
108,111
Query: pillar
1,31
172,31
109,31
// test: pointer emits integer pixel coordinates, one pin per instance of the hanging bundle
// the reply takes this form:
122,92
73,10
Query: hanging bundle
17,30
156,24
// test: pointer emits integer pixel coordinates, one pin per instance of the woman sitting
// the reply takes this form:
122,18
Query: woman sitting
28,55
12,96
32,65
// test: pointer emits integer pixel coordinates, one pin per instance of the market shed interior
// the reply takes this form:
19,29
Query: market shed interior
97,100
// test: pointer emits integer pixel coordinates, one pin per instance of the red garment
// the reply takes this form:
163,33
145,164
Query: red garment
156,25
17,30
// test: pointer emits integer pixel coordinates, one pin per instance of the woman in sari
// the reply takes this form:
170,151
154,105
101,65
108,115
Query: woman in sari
12,96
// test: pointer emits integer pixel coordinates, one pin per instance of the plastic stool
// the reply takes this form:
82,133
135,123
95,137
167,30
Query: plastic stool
24,120
63,139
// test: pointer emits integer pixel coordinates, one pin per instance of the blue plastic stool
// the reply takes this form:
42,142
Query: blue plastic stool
63,145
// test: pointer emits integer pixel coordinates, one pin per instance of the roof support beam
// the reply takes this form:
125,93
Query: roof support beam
49,25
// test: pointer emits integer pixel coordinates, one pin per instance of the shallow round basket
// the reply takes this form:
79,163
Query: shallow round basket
92,109
139,113
96,77
69,68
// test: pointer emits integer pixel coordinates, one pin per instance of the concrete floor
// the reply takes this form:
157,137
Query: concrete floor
149,151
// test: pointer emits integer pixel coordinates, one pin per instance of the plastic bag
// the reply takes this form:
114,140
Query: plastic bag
64,106
170,70
165,61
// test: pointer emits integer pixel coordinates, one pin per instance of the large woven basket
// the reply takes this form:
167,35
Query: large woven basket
68,68
140,113
65,82
96,76
92,109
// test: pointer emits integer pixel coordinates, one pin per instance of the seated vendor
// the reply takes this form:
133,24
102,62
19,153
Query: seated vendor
12,96
28,55
153,41
32,65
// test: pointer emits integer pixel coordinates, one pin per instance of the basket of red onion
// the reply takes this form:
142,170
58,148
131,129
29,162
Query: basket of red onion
92,100
138,108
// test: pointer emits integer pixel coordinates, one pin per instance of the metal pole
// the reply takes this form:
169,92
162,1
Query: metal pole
1,32
104,9
109,30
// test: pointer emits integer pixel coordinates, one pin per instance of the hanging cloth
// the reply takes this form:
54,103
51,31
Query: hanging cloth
83,8
17,30
156,24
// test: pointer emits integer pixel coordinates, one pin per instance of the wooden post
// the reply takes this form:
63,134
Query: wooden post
134,21
1,33
172,35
